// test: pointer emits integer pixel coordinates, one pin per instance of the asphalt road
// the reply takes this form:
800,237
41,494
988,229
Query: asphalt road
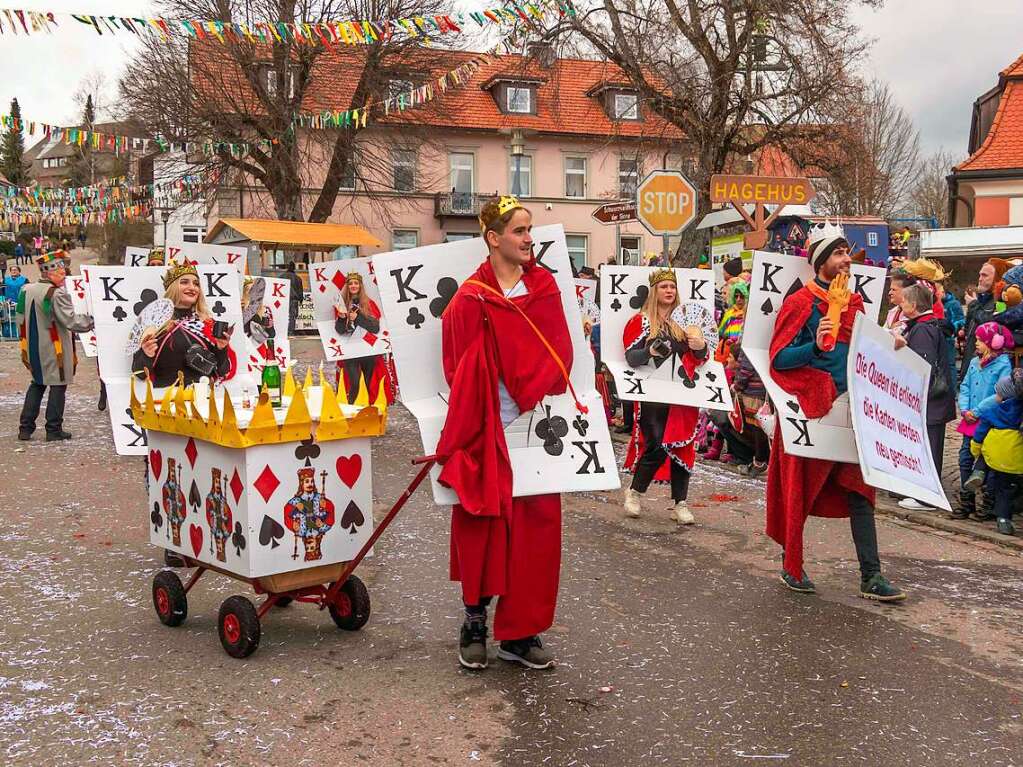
675,646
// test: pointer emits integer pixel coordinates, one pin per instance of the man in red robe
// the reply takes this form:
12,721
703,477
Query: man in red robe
806,366
505,346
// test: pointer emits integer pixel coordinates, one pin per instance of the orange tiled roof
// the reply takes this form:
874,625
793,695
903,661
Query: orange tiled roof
563,106
1003,145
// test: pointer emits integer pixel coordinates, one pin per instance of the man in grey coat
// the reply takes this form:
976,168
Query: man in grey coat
46,320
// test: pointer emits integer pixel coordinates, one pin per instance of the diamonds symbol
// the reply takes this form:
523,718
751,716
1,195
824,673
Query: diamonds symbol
277,303
323,288
237,487
338,279
191,452
266,483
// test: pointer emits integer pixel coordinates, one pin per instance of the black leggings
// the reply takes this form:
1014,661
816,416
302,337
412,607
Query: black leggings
653,416
353,368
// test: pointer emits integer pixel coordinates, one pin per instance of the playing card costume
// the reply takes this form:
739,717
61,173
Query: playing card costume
799,487
370,368
185,344
309,515
218,516
662,447
46,320
516,341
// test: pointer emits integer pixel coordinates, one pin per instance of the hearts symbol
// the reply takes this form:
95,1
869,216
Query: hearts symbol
349,468
146,297
195,536
81,294
793,406
156,463
270,532
352,518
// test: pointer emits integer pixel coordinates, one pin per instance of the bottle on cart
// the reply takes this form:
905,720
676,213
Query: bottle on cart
272,375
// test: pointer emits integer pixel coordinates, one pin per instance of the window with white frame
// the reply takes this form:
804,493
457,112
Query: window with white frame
577,249
519,99
55,162
872,239
625,106
461,167
575,177
404,161
521,175
193,233
628,177
270,81
403,239
629,247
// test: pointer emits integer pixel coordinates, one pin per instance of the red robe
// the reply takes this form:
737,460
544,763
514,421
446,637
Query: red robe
799,487
501,546
679,430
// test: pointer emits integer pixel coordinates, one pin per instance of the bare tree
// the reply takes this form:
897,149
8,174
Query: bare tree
734,76
930,192
873,159
94,86
247,93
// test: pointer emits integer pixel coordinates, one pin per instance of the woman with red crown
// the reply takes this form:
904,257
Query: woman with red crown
505,347
662,447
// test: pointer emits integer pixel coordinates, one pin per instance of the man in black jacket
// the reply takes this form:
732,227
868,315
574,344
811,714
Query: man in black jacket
297,296
981,309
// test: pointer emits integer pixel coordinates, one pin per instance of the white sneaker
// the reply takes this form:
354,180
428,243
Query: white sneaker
682,514
632,506
912,504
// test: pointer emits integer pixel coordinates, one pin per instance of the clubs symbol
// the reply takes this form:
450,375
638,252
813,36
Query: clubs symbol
689,383
711,376
446,289
415,318
767,307
551,430
156,517
307,449
218,308
796,285
616,305
580,424
270,532
119,314
146,297
793,406
353,518
238,539
639,297
194,499
629,373
127,412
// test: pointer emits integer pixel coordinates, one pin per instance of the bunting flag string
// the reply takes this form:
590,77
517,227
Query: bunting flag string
111,189
326,33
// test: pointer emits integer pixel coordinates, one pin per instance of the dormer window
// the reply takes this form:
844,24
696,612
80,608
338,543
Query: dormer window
519,99
620,101
625,106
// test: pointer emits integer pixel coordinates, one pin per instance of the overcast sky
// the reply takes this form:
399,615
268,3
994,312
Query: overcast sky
938,56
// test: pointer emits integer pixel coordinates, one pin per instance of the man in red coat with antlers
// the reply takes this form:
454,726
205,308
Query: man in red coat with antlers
809,352
505,346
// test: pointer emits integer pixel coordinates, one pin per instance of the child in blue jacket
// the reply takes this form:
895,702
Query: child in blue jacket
999,441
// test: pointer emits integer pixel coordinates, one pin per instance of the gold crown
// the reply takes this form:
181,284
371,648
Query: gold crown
176,272
660,275
353,276
175,413
507,203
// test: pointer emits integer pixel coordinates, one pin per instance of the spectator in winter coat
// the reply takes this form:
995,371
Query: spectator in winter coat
999,441
924,335
954,321
13,283
981,308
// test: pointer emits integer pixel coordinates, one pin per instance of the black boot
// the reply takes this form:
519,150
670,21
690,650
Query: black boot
986,510
967,505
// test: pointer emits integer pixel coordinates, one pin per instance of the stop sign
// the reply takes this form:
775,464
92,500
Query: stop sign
666,202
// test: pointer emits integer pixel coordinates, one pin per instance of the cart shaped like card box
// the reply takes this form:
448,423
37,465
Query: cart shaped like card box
280,500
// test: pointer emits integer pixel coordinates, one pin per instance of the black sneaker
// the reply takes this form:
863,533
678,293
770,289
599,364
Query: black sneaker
877,588
1005,526
472,644
529,652
24,436
57,436
804,585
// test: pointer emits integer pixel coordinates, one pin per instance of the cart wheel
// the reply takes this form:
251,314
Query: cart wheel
239,627
169,598
283,601
350,609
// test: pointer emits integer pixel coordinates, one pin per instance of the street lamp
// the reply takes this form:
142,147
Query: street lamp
518,149
165,214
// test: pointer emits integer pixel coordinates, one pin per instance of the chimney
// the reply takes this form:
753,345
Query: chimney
543,52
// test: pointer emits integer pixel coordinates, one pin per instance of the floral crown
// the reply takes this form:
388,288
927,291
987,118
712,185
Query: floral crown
176,272
661,275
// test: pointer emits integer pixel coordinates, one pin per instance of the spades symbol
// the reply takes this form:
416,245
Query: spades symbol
194,499
793,406
119,313
796,285
711,377
270,532
353,518
415,318
616,305
639,297
551,430
238,539
446,289
767,307
156,517
581,425
306,449
146,297
218,308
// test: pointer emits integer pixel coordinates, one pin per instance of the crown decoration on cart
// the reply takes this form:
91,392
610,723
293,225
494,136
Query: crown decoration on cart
175,413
